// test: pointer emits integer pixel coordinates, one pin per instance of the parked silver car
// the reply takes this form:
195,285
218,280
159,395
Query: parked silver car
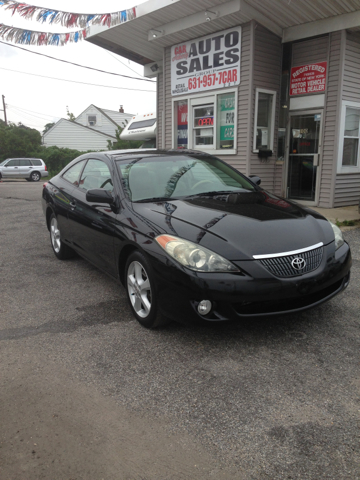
32,169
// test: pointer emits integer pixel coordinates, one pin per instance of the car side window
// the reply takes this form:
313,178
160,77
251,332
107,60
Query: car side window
73,173
24,163
13,163
96,174
36,162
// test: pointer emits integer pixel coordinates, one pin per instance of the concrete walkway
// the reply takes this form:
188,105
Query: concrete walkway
340,214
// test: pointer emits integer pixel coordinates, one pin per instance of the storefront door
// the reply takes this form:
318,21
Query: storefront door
304,156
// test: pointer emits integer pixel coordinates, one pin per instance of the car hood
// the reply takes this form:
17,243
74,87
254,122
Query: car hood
239,226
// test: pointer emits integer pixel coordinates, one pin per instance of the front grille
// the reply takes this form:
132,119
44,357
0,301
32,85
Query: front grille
282,266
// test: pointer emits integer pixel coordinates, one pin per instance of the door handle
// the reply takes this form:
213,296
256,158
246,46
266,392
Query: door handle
72,205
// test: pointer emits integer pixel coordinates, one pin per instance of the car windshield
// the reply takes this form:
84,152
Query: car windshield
2,163
162,177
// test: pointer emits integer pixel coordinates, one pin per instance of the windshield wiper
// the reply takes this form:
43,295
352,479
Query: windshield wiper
218,192
154,199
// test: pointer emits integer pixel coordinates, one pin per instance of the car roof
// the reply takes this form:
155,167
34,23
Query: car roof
154,151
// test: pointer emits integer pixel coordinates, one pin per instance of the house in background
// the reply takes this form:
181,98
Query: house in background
91,130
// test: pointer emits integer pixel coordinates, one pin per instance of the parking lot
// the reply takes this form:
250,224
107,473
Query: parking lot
87,393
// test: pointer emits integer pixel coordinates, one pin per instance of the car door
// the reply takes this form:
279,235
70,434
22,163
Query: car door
11,169
92,225
61,197
24,168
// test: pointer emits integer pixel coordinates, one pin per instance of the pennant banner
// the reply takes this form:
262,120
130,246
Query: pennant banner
29,37
67,19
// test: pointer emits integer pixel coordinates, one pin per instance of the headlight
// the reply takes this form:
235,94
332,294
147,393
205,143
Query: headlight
339,240
194,256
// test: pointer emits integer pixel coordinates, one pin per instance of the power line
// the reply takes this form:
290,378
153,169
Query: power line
23,112
127,66
77,64
75,81
31,111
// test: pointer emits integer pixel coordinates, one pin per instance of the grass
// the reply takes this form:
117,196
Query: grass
348,223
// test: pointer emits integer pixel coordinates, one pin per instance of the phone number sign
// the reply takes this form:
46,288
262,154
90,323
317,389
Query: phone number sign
206,63
308,79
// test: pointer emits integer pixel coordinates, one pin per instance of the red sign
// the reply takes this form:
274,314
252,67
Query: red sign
307,79
202,122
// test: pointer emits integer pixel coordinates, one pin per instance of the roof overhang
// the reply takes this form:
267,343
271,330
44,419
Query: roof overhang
163,23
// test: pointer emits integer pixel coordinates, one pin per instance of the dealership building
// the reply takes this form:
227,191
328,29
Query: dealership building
270,86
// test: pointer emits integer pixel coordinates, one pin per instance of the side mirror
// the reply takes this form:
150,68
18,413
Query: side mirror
99,195
255,179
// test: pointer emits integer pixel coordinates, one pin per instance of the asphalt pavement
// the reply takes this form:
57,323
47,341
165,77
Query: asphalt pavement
87,393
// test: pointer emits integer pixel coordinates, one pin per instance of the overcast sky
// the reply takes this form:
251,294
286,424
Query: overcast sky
36,101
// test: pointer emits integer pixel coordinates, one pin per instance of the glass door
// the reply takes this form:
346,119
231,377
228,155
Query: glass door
304,150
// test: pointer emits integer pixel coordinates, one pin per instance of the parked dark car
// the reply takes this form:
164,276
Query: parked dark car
191,238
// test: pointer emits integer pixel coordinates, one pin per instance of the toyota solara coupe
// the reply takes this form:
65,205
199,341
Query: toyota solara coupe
191,238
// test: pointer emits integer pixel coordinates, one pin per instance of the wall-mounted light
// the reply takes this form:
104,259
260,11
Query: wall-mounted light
209,15
156,33
154,68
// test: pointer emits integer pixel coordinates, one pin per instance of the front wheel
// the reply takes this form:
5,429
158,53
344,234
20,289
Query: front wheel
61,250
141,292
35,176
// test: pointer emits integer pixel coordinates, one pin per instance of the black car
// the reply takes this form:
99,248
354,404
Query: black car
190,237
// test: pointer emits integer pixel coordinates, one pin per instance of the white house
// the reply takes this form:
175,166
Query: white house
91,130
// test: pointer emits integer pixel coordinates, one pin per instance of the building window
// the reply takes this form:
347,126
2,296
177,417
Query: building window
265,102
349,154
226,121
181,124
206,123
203,116
351,137
92,120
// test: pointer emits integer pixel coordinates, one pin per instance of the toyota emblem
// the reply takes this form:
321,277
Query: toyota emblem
298,263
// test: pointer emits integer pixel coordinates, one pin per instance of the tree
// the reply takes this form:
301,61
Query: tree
47,127
70,115
18,141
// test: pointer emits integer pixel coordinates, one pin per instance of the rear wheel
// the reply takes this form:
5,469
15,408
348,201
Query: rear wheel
35,176
141,292
61,250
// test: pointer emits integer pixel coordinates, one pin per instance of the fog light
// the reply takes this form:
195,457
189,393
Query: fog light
204,307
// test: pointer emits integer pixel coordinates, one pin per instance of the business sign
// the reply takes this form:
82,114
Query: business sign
308,79
182,124
206,63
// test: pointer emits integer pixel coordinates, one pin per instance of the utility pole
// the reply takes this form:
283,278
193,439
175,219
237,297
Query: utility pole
3,99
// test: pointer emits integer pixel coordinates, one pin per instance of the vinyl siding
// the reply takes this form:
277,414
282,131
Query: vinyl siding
240,160
119,118
267,75
103,123
159,110
351,84
331,121
347,188
70,135
310,51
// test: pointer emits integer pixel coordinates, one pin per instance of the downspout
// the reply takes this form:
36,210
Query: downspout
164,104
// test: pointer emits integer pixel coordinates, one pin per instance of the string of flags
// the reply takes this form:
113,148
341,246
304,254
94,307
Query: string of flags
66,19
30,37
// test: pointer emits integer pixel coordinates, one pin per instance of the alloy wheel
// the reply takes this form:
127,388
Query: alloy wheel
139,289
55,235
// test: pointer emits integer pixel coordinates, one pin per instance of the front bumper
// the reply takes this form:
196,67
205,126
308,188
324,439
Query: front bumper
253,293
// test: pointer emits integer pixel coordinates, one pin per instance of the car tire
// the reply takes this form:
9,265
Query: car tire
141,291
62,251
35,176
